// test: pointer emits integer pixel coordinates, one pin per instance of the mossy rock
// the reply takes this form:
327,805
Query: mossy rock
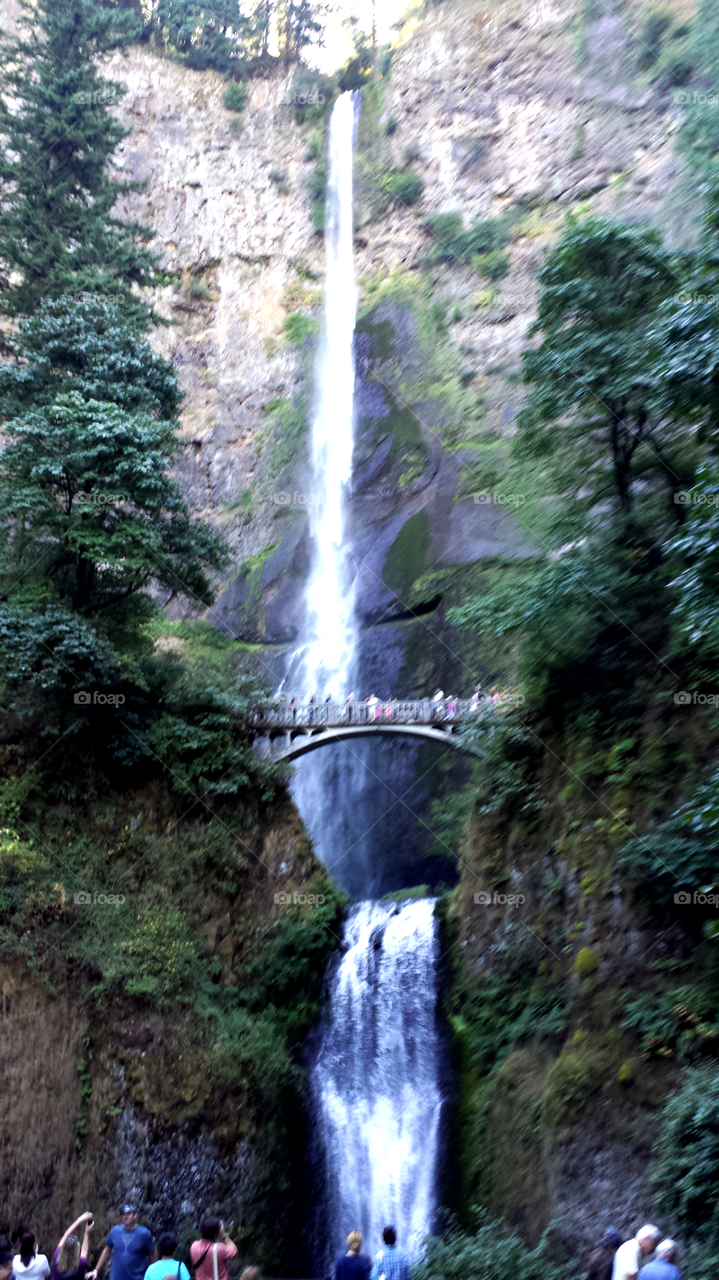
586,962
576,1077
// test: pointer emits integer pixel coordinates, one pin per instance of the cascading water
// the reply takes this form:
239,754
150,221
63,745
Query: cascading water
376,1076
376,1073
325,660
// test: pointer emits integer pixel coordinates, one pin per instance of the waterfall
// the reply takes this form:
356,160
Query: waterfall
375,1077
376,1071
326,659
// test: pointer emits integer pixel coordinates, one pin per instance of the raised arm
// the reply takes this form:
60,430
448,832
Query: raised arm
85,1250
84,1217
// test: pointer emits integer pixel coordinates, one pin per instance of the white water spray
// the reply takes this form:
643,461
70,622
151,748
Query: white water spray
376,1075
326,660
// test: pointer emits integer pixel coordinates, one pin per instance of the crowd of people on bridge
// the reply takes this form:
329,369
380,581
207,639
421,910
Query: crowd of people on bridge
134,1254
444,706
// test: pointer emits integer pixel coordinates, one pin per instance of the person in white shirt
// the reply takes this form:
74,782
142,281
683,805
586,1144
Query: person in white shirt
28,1264
629,1256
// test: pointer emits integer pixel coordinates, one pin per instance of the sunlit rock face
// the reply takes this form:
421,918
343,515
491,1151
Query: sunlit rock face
495,112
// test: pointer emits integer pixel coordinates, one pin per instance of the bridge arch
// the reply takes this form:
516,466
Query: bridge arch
292,743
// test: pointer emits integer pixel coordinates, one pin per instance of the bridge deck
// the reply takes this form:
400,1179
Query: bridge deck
292,730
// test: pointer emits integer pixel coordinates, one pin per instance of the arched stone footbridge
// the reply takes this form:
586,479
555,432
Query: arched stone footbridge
288,732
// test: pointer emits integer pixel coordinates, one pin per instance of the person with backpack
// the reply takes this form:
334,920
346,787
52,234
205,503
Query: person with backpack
210,1254
71,1259
167,1264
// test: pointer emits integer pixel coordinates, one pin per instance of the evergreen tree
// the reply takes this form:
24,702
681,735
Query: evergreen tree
90,515
58,232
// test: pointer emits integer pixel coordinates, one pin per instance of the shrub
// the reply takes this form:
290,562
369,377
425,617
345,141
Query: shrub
296,327
686,1171
493,1252
405,188
235,96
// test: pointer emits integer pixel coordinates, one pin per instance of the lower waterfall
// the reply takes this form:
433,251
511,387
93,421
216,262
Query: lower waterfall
375,1078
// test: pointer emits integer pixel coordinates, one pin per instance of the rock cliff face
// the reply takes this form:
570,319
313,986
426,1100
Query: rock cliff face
523,109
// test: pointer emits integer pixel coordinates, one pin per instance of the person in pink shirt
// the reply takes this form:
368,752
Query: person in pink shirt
212,1252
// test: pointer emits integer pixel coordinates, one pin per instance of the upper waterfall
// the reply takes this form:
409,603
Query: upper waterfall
326,659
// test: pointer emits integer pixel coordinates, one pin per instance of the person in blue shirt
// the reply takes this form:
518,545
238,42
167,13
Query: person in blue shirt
131,1247
663,1265
390,1263
353,1265
167,1268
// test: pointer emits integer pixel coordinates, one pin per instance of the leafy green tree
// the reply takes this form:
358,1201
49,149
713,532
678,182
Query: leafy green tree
58,231
596,410
687,1160
86,346
90,515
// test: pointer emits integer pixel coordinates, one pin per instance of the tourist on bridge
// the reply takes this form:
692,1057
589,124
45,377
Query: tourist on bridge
353,1265
313,704
390,1263
348,703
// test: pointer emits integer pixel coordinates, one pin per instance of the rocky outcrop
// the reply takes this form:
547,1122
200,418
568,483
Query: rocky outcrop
498,114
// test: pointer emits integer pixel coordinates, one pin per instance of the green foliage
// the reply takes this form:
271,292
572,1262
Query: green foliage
406,558
86,346
583,624
203,740
58,231
229,37
311,95
674,1023
481,245
686,1171
89,510
700,133
596,408
235,96
491,1252
358,69
297,327
404,188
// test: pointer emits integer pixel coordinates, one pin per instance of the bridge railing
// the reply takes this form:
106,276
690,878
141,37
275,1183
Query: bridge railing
329,715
